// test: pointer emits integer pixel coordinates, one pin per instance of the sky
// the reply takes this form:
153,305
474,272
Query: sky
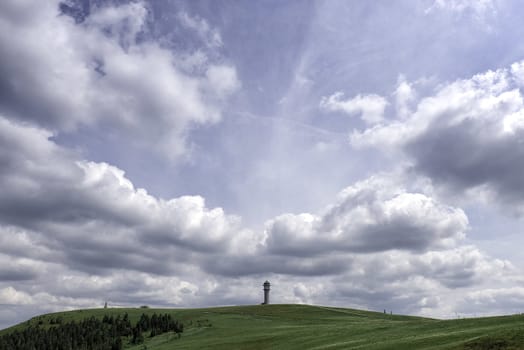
180,153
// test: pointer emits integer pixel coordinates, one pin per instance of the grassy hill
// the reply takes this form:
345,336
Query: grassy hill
314,327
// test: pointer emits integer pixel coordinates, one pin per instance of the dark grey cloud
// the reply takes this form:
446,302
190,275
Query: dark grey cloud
469,155
19,243
261,263
17,273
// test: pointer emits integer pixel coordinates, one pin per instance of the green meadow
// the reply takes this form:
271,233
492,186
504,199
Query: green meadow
312,327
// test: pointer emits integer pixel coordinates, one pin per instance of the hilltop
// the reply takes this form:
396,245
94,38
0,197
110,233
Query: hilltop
310,327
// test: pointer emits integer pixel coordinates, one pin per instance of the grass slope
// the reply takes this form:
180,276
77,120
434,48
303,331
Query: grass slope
315,327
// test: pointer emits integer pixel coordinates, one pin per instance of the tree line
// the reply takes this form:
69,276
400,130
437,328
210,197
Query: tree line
89,333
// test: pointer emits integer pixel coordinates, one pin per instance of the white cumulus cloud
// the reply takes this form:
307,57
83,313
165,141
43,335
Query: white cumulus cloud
466,137
63,75
370,216
368,107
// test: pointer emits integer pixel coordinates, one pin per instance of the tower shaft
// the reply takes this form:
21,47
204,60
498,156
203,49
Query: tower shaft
266,292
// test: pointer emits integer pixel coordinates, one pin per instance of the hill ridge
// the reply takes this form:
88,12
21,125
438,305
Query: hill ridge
301,326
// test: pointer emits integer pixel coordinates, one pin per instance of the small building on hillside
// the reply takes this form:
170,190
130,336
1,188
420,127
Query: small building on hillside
266,292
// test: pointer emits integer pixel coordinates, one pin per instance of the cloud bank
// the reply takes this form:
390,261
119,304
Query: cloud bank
82,231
